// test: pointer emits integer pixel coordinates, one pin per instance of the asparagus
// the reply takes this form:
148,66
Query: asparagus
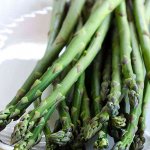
62,137
118,121
12,111
139,139
95,84
77,45
143,33
126,49
59,93
128,136
56,20
106,78
84,117
77,99
85,109
46,129
112,106
102,141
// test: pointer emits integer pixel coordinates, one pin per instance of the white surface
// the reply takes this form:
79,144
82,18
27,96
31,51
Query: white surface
23,37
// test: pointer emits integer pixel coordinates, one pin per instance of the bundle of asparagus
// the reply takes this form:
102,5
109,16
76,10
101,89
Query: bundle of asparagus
100,82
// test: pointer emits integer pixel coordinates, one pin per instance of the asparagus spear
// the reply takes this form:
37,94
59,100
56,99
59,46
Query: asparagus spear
62,137
139,139
118,121
85,109
143,33
46,128
77,99
56,20
59,93
126,49
128,136
112,106
102,141
12,111
106,78
95,84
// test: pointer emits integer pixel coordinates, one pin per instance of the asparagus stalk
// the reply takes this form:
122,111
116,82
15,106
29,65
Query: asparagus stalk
102,141
143,33
118,121
77,100
106,78
59,93
126,49
56,20
85,109
77,45
115,91
84,117
128,136
78,90
12,111
112,106
139,139
62,137
46,129
95,84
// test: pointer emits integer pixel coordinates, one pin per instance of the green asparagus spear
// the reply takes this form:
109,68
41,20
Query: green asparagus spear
118,121
129,134
77,99
143,33
126,49
13,111
139,139
95,84
56,20
59,93
46,129
63,136
106,78
102,141
85,109
112,106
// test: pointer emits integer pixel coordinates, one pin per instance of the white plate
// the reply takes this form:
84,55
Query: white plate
24,26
